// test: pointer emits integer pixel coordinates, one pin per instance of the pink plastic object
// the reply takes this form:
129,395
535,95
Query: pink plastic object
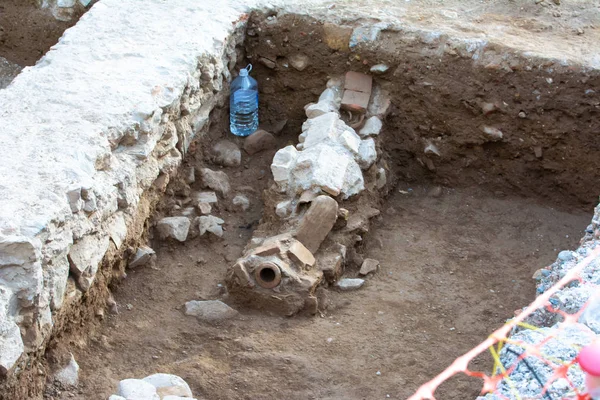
589,359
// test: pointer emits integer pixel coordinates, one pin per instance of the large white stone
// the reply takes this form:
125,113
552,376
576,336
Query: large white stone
282,165
322,128
137,389
169,385
321,166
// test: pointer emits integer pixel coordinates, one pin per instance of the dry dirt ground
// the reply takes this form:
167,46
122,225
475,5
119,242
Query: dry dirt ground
453,268
27,32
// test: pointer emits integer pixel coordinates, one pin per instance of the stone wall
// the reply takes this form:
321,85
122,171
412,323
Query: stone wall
91,136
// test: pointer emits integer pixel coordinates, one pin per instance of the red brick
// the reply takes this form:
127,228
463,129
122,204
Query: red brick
355,101
358,82
267,249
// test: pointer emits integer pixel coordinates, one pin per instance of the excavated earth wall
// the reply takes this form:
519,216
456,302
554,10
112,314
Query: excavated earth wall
94,132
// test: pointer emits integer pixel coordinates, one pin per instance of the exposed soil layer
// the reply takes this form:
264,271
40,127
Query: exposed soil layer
452,268
27,32
547,112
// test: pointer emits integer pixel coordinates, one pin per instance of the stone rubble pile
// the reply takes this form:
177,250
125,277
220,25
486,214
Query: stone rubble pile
331,155
312,180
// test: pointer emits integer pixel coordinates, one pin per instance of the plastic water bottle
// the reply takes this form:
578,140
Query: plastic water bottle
243,104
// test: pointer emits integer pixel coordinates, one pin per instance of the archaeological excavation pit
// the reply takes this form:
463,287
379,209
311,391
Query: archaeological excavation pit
409,178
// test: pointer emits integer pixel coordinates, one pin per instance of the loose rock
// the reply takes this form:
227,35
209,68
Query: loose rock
169,385
379,69
267,63
209,310
190,175
216,180
347,284
142,256
210,223
492,133
241,202
259,141
432,149
204,197
227,154
173,227
369,265
283,209
299,61
69,375
204,208
137,389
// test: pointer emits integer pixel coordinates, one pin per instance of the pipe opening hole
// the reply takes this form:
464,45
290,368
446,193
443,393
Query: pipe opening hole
268,275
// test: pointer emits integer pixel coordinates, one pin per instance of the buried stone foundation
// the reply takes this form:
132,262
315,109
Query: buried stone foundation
312,181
